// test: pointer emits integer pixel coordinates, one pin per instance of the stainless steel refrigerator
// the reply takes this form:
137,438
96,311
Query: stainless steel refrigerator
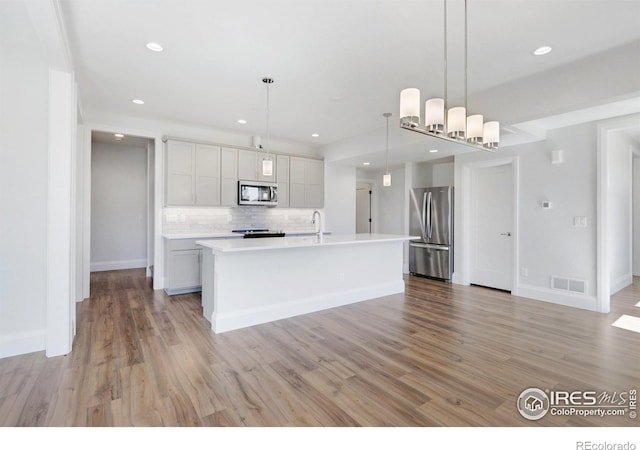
432,220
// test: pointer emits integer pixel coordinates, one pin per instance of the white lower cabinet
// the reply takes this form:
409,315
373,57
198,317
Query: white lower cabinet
182,266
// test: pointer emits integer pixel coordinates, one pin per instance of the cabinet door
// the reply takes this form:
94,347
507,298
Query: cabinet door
314,173
269,157
229,177
180,173
207,175
247,164
282,178
296,182
185,269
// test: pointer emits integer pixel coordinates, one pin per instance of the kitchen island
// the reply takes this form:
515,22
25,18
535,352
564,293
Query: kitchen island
247,282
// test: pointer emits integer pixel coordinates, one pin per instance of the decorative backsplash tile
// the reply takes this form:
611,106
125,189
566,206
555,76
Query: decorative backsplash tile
177,220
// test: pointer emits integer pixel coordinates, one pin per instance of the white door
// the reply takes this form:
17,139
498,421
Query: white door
492,227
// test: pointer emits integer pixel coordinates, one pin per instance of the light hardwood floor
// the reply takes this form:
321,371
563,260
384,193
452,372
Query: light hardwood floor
440,354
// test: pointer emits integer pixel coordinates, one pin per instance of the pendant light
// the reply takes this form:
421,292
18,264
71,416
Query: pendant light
267,163
386,178
452,124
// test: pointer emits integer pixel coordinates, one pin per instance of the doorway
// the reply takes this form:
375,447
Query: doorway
364,222
120,197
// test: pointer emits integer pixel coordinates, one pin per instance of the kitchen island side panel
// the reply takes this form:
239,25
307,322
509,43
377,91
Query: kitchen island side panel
249,288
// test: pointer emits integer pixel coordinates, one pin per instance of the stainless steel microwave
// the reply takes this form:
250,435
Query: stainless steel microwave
257,193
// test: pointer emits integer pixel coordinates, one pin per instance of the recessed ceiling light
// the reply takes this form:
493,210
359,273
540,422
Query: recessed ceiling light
366,163
154,47
315,135
337,98
119,135
242,121
542,50
433,151
137,101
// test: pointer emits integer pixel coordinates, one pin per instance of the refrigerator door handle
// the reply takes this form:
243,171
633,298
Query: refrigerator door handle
430,246
424,215
428,203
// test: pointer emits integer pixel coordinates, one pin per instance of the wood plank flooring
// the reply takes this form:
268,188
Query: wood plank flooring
437,355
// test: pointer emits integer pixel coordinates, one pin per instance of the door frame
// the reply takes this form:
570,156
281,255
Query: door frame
468,226
603,283
158,188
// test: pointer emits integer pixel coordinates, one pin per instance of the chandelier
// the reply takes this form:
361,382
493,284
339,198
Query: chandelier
455,126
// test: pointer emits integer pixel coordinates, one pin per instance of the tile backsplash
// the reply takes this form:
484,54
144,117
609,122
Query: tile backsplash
177,220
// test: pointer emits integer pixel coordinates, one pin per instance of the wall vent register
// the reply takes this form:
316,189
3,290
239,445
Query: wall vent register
567,284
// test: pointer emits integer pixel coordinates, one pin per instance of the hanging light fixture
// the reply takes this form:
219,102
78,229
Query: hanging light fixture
386,178
267,163
455,125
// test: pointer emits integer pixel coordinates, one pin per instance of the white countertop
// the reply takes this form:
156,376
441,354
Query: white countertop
243,245
229,234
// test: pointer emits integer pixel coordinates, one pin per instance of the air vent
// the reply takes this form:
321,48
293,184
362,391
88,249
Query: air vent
567,284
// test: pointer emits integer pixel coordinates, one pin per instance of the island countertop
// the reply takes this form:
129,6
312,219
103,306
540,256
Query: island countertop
246,245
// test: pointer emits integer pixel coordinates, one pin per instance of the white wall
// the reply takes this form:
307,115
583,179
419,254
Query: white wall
118,207
443,174
430,174
636,216
340,198
23,183
390,204
619,230
549,244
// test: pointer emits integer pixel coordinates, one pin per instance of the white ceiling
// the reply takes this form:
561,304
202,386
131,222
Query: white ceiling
337,64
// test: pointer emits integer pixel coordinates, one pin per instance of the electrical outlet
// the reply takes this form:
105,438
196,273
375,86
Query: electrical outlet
524,272
580,222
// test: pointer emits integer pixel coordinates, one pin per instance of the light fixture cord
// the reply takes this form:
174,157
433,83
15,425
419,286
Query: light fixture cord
446,104
267,143
387,144
466,111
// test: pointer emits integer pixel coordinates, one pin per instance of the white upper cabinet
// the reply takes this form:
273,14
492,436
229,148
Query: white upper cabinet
180,173
282,178
207,175
306,178
250,165
229,177
193,174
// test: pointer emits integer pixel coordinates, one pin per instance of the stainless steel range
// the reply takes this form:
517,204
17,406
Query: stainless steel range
260,233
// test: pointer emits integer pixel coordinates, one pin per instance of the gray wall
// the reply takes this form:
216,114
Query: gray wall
118,207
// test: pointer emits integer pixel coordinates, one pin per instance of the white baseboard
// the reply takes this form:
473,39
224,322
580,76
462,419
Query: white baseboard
21,343
458,279
255,316
118,265
555,296
620,283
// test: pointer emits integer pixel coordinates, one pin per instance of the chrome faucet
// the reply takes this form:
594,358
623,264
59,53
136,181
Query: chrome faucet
313,221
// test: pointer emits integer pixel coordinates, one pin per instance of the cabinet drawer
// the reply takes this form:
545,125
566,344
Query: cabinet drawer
183,244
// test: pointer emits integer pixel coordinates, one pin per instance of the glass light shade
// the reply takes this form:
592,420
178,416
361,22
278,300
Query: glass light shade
434,115
475,129
410,106
267,167
491,135
456,122
386,179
